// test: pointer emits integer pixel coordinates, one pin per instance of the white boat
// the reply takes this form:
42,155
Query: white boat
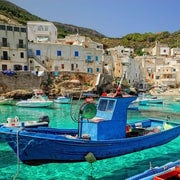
63,100
149,101
15,122
177,99
35,101
5,101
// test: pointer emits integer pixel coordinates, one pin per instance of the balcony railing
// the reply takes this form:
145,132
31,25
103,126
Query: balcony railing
89,61
21,46
4,44
5,58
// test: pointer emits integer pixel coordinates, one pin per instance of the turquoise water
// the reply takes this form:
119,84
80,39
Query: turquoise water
114,168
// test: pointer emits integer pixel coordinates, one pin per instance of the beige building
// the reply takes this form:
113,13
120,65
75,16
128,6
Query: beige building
175,52
13,47
161,50
123,65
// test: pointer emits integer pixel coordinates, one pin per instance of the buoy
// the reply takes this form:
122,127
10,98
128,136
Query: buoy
90,158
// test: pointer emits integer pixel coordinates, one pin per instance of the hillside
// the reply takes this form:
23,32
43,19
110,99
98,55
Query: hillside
10,13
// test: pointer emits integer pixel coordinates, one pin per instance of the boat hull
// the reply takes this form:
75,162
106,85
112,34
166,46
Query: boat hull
34,104
45,145
63,100
8,101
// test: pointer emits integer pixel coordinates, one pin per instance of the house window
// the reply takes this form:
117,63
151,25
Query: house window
72,67
38,52
4,42
16,29
97,58
97,69
23,29
5,55
17,67
89,58
25,68
62,66
2,27
4,67
76,53
89,70
9,28
22,55
59,53
20,43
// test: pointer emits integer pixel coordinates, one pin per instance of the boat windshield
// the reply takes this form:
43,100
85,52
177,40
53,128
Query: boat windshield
106,105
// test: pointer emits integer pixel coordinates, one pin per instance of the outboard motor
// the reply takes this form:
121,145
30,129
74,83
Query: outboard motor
44,119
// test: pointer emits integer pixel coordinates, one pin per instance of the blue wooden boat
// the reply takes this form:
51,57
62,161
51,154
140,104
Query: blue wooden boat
170,170
102,133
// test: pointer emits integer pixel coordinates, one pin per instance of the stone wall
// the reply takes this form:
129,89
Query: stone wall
51,83
21,80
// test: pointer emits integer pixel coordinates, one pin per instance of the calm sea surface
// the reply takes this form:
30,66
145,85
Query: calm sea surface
118,168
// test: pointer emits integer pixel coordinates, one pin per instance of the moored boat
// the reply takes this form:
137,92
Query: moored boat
14,122
169,171
149,101
63,100
6,101
102,131
35,101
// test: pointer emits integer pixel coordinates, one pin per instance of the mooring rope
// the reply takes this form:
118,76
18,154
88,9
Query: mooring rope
73,115
17,149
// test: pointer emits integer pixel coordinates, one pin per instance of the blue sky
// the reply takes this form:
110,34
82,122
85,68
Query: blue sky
113,18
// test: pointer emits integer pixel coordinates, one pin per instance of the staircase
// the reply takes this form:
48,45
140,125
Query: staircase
37,59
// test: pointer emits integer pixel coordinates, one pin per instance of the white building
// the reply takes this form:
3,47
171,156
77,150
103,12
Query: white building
64,57
40,31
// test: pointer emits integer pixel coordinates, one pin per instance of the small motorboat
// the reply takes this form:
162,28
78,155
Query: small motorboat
14,122
102,132
6,101
168,171
177,99
35,102
63,100
146,99
149,101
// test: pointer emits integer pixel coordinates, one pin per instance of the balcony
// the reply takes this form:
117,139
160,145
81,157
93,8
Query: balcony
5,58
23,46
89,60
4,44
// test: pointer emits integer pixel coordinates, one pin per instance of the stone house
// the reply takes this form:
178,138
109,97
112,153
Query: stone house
13,47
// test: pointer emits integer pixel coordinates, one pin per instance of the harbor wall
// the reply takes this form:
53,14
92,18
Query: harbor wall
21,80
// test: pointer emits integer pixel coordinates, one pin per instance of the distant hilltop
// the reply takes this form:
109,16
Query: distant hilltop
12,14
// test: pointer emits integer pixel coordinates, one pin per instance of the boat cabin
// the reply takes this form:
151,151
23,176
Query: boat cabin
110,119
